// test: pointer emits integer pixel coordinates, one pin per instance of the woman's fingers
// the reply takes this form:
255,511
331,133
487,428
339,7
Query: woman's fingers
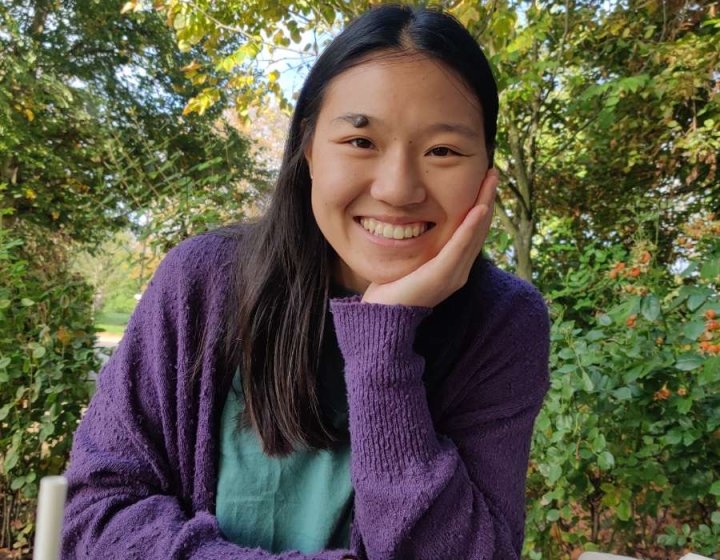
465,245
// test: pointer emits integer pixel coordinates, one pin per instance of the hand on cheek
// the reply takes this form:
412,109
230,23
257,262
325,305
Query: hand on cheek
448,271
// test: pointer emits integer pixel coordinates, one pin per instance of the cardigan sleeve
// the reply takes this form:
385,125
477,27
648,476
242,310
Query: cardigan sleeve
136,451
422,494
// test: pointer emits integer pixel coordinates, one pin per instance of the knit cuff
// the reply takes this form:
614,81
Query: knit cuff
390,425
372,336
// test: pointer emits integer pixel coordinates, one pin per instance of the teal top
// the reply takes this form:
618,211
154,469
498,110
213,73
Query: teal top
300,502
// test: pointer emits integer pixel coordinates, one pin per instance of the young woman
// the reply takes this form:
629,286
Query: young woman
347,377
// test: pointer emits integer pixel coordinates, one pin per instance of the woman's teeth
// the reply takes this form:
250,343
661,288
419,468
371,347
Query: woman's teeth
390,231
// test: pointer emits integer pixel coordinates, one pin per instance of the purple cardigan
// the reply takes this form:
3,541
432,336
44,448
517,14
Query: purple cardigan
440,484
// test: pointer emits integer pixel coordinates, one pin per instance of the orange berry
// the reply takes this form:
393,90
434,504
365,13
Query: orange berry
682,391
645,257
635,271
712,325
710,314
662,394
630,322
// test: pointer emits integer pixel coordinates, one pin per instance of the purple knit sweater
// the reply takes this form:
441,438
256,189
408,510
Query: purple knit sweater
440,484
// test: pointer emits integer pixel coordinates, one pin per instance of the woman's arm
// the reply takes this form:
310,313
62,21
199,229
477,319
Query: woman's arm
143,466
422,495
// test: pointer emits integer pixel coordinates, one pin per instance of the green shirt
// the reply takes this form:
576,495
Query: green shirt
300,502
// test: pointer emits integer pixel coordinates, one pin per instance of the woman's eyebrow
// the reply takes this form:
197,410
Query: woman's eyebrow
457,128
358,120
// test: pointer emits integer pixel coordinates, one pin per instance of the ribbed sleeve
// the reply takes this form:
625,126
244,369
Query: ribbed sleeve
425,494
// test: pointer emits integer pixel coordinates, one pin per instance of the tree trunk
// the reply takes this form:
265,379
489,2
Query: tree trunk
523,244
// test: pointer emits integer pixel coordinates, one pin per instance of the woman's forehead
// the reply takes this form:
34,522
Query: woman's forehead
400,86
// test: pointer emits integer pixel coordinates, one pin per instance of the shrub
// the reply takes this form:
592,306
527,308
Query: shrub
46,356
626,451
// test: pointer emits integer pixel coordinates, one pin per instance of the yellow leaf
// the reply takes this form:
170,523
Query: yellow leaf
29,115
129,6
192,67
190,107
274,75
30,194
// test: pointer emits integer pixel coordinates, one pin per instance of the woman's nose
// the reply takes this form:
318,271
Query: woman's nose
398,180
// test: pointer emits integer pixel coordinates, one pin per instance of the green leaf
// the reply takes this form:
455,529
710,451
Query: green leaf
11,459
553,515
17,483
27,302
673,437
5,410
624,511
650,307
4,362
711,269
598,444
38,352
606,461
595,335
710,372
695,301
715,488
605,320
623,394
694,329
688,362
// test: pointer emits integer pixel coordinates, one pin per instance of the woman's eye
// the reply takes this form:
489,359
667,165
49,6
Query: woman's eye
361,143
443,151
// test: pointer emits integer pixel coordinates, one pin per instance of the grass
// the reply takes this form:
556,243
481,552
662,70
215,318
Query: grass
113,323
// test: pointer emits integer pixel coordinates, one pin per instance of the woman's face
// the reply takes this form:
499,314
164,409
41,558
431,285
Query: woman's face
397,159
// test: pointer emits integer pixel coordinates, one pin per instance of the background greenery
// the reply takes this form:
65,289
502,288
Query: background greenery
124,128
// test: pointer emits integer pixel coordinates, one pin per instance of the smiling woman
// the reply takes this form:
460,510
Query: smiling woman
398,153
347,377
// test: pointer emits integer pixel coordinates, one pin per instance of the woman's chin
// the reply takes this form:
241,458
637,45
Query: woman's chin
359,279
388,276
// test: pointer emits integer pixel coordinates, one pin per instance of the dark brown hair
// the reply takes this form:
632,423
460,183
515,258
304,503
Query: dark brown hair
277,315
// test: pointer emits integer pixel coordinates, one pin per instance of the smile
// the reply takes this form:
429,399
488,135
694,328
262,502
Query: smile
394,231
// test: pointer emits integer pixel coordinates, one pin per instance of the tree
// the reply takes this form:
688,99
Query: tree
90,106
92,140
606,108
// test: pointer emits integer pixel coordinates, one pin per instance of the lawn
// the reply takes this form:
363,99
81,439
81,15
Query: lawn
112,322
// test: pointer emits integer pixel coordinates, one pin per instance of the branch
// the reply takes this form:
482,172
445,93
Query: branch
523,182
505,218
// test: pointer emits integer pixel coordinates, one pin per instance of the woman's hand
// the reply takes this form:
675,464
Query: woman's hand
448,271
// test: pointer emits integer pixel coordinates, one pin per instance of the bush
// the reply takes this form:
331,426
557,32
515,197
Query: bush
46,356
626,451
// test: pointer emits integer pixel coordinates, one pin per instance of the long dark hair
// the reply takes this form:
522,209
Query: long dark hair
277,314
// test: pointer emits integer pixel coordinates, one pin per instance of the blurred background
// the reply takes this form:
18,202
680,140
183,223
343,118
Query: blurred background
126,127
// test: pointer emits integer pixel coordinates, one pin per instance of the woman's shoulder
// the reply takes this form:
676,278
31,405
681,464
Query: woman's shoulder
504,364
495,292
203,259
